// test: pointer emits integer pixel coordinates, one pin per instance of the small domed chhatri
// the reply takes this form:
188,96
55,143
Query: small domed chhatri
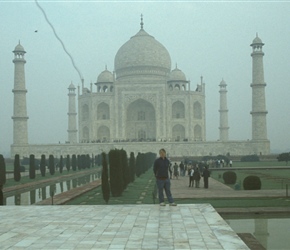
177,75
105,77
19,48
71,86
257,40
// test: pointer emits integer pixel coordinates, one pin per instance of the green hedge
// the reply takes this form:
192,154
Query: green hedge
230,177
252,182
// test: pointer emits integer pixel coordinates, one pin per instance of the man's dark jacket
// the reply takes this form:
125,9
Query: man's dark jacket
161,168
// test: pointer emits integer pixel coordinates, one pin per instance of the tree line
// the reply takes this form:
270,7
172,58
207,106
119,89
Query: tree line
122,171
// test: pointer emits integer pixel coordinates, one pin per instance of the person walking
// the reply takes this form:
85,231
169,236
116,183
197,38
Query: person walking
206,175
161,169
175,170
196,176
191,173
182,169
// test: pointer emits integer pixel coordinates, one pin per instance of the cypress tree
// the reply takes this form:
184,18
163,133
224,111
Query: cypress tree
120,171
99,160
51,164
93,161
31,167
2,171
17,175
79,162
138,165
74,162
125,168
105,181
67,163
61,164
132,167
88,161
116,180
42,165
83,161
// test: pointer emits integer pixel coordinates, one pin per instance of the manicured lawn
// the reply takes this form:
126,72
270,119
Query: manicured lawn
141,192
260,164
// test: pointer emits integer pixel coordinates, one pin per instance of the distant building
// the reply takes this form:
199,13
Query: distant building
142,106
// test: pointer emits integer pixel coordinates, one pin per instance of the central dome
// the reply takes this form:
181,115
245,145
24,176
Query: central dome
142,55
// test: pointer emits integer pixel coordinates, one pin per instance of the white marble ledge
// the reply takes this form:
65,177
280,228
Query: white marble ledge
186,226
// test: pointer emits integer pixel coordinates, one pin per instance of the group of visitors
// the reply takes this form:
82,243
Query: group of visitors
194,172
195,175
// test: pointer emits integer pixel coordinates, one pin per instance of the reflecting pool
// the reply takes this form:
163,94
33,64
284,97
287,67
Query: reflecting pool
272,233
39,194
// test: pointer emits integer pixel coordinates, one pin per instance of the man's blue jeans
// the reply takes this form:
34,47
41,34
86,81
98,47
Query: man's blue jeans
164,184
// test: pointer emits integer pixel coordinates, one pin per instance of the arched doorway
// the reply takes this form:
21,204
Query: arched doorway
178,132
141,121
104,133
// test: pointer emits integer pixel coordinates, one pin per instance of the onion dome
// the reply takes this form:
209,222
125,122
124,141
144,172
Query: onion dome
71,86
223,83
19,48
105,77
177,75
142,55
257,41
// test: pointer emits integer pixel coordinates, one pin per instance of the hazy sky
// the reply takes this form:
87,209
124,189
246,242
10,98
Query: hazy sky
204,38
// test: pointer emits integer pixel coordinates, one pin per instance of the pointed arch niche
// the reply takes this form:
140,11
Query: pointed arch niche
86,134
85,112
197,112
141,121
178,132
103,111
197,133
103,133
178,110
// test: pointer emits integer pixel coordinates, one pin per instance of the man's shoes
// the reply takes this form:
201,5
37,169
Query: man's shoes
172,204
162,204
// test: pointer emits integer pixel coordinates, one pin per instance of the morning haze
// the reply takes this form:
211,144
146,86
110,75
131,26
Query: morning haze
208,39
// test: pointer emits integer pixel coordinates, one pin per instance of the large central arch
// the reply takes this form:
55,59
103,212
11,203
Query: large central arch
141,121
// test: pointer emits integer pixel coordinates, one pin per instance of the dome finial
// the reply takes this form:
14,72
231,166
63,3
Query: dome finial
142,22
175,65
106,67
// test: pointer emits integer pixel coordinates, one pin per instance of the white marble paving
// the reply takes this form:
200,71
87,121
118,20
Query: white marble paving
187,226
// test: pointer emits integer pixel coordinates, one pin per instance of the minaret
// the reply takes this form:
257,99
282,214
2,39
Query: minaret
224,129
20,131
259,124
72,115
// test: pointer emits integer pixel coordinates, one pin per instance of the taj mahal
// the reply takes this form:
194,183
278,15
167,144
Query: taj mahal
143,105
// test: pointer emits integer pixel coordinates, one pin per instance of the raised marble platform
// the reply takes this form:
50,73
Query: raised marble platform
187,226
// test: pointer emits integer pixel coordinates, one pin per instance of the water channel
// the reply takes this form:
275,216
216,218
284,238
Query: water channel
41,193
272,232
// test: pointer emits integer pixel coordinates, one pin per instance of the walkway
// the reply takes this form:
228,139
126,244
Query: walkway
180,189
217,189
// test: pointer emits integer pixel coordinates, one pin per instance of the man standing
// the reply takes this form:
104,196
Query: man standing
161,169
206,175
181,166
